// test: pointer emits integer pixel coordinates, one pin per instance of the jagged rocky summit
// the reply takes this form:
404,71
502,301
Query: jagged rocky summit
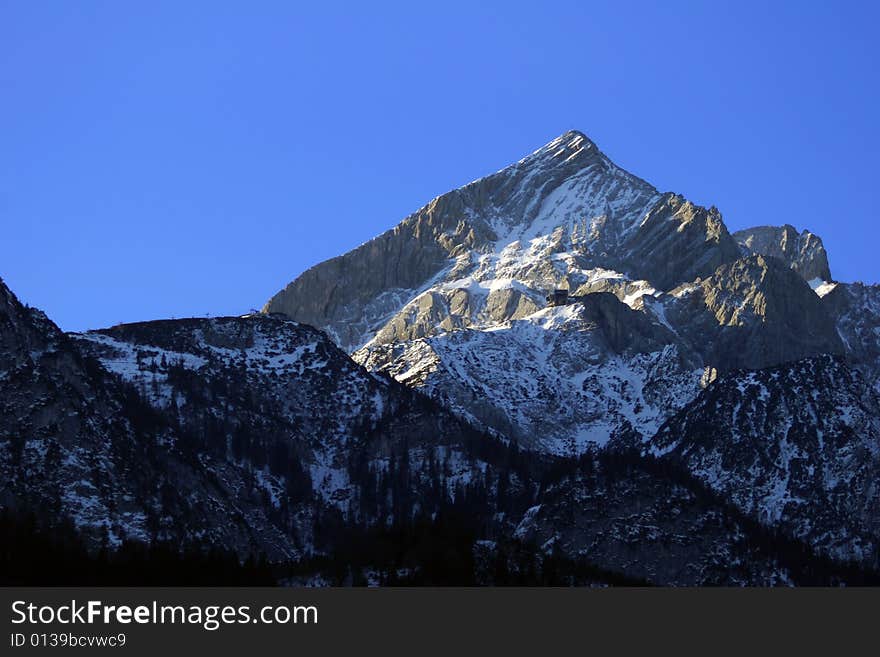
661,298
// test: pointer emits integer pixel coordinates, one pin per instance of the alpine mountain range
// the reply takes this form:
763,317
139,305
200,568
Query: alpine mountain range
556,374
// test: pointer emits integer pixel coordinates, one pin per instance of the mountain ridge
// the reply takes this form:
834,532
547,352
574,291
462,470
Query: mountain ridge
553,366
565,198
195,476
565,216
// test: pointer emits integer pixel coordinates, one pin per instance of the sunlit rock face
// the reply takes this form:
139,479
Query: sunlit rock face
554,218
468,275
803,252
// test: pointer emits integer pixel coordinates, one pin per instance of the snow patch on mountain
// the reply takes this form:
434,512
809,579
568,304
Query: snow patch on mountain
821,287
546,380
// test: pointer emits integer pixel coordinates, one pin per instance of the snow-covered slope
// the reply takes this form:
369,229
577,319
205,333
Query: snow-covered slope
855,310
77,447
236,433
796,446
282,380
560,380
280,390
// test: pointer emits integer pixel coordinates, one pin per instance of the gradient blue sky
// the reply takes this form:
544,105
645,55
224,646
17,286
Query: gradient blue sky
180,158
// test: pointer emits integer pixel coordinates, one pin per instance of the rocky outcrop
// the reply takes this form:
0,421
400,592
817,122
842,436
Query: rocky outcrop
803,252
450,308
348,295
553,217
621,329
678,241
25,333
752,313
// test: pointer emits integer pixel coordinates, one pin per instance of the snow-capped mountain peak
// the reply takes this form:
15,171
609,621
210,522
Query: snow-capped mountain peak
546,221
455,298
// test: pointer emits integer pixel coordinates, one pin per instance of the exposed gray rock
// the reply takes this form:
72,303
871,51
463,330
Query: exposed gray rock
678,241
752,313
550,219
622,329
803,252
349,294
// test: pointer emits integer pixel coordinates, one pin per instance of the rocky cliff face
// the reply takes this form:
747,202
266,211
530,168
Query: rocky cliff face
553,218
752,313
567,217
803,252
678,241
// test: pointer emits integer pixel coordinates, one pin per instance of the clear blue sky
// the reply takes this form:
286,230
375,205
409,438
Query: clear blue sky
164,159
